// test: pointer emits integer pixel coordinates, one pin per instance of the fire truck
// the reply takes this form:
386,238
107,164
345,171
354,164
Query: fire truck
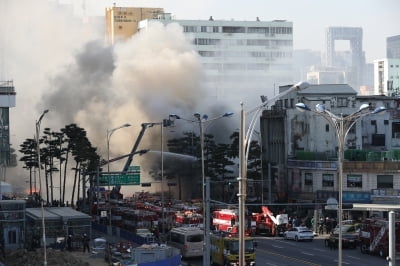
188,219
226,220
374,237
225,249
267,223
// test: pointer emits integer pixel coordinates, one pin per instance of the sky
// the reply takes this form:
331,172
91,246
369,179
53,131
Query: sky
60,65
378,18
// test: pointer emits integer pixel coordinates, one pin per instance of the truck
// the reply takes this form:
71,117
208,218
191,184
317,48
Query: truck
374,237
267,223
227,220
225,249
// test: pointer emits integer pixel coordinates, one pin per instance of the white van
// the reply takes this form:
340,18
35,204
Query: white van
189,240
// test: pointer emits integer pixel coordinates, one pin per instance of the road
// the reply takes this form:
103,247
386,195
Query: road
275,251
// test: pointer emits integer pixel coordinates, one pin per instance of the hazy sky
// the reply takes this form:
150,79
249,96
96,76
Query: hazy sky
378,18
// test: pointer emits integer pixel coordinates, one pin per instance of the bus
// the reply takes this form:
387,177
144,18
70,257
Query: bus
189,240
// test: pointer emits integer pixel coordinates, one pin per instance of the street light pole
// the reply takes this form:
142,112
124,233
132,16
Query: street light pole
37,126
205,181
342,125
109,134
244,147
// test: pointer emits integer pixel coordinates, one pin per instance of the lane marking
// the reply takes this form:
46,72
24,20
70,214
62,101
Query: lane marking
305,253
290,258
275,246
357,258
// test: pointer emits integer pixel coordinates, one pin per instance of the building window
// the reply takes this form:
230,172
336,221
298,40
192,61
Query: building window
308,180
378,140
189,29
354,181
396,130
341,102
232,29
327,128
386,122
327,180
384,181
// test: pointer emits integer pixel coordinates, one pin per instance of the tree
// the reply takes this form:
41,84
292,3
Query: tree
29,158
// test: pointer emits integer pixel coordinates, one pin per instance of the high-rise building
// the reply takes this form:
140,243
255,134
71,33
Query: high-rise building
393,47
122,22
386,77
7,100
241,58
354,63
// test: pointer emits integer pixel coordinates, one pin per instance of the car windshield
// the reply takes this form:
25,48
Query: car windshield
234,246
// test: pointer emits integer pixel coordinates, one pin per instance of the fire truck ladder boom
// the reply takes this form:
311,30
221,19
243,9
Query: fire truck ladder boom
135,146
378,238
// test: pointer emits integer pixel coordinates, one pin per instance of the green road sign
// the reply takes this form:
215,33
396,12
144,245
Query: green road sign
114,179
134,168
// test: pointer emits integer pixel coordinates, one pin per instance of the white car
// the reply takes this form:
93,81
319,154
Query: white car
299,234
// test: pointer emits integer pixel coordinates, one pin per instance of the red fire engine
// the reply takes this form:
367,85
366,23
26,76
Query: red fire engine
267,223
374,237
227,220
188,219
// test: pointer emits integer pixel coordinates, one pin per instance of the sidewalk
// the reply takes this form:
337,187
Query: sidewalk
89,258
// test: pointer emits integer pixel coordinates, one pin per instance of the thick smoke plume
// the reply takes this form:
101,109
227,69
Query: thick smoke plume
60,64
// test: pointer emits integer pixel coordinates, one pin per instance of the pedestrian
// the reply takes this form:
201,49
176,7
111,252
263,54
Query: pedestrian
69,242
2,248
85,242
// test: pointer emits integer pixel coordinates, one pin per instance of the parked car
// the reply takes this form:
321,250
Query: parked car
299,234
348,241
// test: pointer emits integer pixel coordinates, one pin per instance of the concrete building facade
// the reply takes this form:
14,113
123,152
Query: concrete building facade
241,57
387,77
7,100
393,47
332,58
122,22
301,148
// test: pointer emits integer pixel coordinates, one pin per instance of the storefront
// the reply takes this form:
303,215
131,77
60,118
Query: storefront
12,223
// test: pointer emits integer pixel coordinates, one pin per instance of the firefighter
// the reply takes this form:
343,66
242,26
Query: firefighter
85,242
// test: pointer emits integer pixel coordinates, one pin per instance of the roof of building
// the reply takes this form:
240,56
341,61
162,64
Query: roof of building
56,213
330,89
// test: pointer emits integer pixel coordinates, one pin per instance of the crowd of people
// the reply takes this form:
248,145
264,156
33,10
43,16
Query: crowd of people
324,225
